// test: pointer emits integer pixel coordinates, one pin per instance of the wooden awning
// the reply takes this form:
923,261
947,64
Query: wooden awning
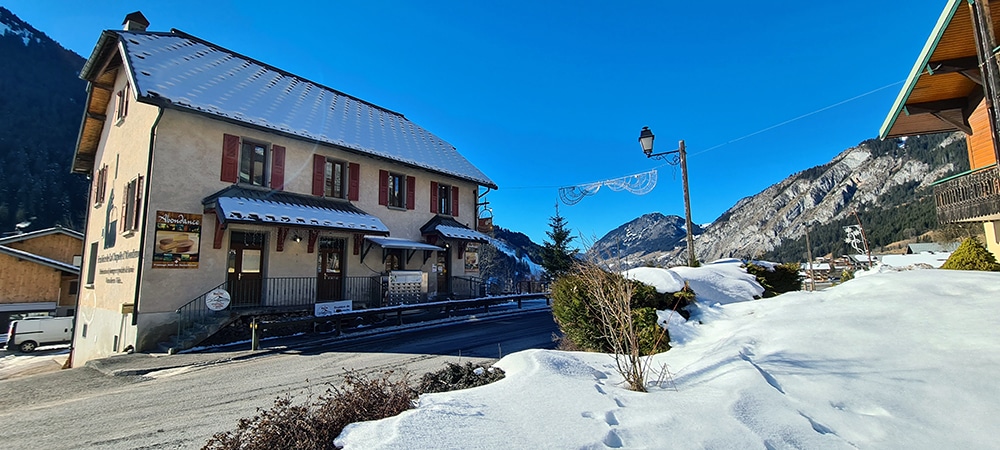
945,84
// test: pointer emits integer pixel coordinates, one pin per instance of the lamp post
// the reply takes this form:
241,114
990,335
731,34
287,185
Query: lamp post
680,156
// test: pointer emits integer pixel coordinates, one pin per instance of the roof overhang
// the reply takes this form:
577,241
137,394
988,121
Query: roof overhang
28,256
391,243
242,204
945,85
449,228
399,243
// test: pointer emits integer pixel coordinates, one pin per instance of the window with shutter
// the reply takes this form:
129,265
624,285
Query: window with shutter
132,206
434,197
454,201
121,104
353,181
101,186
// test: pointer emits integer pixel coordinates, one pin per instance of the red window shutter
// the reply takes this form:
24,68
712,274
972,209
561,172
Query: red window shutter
454,201
434,197
383,187
230,158
319,175
277,167
411,187
353,181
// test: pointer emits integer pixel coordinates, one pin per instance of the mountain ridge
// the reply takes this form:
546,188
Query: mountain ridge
873,179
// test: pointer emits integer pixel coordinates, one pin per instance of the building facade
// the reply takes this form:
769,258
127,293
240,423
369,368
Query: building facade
955,86
39,273
212,170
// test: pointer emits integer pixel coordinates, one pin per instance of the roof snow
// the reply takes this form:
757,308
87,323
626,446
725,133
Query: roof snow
181,71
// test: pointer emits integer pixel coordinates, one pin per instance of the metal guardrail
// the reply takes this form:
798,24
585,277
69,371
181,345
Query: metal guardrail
969,196
285,293
448,305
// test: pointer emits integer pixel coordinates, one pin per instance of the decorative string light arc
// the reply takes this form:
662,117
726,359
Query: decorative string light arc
638,184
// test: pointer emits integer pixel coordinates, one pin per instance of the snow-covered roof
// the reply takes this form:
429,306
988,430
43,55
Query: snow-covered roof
28,256
177,70
406,244
39,233
450,228
247,205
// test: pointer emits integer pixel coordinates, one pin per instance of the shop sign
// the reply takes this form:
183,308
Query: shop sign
178,239
472,258
217,299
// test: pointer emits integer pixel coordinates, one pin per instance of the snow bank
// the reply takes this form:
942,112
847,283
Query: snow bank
892,360
721,282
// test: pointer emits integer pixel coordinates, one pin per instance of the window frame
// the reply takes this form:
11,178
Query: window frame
328,184
132,206
247,157
101,186
444,199
121,103
397,179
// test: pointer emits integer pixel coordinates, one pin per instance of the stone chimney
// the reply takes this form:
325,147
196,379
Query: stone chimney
135,22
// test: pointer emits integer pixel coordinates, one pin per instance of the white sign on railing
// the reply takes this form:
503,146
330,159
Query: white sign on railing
331,308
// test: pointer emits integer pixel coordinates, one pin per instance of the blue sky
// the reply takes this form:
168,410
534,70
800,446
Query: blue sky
543,94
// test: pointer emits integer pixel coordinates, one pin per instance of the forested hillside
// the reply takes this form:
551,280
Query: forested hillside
41,106
904,211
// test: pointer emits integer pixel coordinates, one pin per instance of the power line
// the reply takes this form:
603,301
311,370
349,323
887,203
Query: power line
763,130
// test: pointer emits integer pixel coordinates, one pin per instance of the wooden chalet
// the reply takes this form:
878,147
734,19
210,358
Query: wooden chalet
955,86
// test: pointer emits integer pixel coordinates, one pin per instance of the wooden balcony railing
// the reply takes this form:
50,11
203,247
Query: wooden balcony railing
968,196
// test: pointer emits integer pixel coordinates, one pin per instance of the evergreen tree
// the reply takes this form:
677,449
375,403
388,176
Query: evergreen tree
972,255
557,257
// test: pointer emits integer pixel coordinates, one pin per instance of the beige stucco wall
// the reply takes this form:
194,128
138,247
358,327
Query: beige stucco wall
124,149
992,230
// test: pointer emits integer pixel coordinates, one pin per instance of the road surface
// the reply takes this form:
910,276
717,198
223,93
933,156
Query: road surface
183,407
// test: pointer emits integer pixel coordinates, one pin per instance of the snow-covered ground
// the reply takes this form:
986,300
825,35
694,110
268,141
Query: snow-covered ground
889,360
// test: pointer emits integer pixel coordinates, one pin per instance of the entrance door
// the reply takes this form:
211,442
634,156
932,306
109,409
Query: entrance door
246,257
330,270
444,271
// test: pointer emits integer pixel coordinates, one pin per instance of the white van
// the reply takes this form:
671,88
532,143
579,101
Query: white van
29,333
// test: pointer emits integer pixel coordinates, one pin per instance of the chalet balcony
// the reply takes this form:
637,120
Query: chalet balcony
972,196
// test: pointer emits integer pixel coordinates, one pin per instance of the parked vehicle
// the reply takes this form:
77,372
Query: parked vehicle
28,334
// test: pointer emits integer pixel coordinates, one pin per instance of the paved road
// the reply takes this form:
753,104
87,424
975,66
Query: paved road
183,407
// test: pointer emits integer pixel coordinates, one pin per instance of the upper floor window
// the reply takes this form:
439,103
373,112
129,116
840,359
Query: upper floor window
334,178
250,162
395,190
132,205
121,104
101,186
444,199
253,161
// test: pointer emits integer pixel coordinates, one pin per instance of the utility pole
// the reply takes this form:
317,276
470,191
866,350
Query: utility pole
809,255
692,259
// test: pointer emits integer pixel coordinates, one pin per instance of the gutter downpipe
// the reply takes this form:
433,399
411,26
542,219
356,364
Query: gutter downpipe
145,215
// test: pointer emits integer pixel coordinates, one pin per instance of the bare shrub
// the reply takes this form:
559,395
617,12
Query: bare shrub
620,323
315,424
456,376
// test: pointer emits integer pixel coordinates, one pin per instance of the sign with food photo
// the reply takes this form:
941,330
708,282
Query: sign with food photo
178,236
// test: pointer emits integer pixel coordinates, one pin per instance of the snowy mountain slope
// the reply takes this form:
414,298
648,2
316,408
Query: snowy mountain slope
858,178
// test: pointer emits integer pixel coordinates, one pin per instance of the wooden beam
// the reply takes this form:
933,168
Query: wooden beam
962,125
220,231
953,65
282,235
937,106
313,237
96,116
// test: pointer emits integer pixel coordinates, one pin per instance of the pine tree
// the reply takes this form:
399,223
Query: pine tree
557,257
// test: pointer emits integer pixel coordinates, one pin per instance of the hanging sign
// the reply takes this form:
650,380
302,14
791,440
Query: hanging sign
178,237
217,299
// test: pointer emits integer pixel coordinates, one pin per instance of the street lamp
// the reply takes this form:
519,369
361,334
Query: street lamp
680,156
